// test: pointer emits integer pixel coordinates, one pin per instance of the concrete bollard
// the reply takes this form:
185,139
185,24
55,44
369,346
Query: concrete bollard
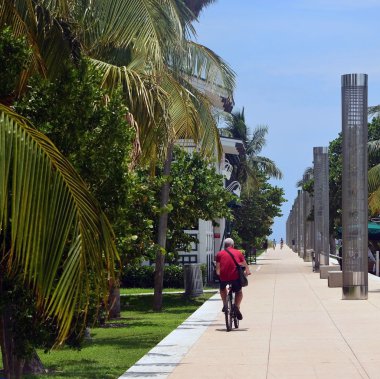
308,257
324,270
335,279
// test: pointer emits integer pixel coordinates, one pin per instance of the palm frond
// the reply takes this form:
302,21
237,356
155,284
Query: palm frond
307,175
61,243
374,202
190,116
202,63
139,87
145,25
265,165
182,113
373,146
373,110
257,142
209,133
237,127
374,179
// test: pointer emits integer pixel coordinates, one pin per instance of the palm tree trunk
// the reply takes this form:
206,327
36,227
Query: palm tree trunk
12,364
114,300
34,365
162,230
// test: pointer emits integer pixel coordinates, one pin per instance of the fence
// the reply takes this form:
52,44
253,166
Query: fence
210,268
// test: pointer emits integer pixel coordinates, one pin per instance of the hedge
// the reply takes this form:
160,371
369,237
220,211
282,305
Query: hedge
143,276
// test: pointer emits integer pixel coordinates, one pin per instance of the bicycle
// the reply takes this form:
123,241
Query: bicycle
229,309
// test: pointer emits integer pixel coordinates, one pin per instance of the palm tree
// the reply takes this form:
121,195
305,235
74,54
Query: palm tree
251,162
374,180
142,46
307,176
54,238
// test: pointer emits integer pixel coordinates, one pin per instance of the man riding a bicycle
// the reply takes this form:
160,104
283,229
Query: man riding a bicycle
226,269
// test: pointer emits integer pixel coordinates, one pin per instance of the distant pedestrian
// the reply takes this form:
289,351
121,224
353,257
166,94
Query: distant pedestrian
274,243
265,244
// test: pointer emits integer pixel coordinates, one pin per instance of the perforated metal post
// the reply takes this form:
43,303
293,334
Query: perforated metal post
304,223
301,223
321,205
355,186
306,212
309,223
294,227
298,207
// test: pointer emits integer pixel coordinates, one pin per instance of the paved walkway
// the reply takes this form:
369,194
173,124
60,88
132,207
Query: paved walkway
294,326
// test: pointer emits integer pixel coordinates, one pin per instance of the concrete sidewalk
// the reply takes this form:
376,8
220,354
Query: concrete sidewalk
294,326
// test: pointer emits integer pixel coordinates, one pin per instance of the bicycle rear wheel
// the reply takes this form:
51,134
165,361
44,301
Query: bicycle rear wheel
234,316
228,313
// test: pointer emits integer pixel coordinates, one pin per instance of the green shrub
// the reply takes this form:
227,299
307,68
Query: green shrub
143,276
138,277
14,55
173,276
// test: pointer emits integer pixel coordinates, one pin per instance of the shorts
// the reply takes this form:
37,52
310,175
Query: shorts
236,286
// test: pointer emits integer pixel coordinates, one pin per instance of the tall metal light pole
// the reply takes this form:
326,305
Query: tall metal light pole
355,186
299,237
321,206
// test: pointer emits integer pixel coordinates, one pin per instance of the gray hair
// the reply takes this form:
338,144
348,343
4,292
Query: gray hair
229,242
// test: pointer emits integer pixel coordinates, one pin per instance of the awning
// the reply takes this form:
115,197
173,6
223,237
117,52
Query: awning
373,231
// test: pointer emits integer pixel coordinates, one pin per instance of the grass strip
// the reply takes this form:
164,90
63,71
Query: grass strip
131,291
122,342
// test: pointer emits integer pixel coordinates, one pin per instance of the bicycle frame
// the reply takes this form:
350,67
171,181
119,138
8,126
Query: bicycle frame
229,312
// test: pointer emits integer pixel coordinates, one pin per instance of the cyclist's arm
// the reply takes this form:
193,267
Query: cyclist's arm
217,268
246,267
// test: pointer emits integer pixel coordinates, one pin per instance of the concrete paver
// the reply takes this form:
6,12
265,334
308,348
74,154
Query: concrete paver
294,326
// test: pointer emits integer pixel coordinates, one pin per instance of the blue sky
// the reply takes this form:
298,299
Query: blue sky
289,56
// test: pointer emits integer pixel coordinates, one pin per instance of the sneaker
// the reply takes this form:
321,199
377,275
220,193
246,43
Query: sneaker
239,316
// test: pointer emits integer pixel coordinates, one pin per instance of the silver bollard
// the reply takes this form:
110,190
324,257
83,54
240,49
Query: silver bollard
377,263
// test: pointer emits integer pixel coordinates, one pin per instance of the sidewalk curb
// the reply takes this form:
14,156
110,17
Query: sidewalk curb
160,361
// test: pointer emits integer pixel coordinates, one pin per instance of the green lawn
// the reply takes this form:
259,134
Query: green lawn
118,346
135,291
132,291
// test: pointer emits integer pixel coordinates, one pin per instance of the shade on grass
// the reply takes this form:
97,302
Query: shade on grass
115,348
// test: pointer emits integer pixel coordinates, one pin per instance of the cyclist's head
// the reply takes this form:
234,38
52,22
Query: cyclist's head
229,242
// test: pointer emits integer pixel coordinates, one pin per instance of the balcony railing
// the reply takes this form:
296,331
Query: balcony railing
235,188
227,169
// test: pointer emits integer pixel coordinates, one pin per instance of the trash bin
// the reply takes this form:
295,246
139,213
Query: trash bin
192,275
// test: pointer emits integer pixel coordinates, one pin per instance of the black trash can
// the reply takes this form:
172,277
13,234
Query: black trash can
193,281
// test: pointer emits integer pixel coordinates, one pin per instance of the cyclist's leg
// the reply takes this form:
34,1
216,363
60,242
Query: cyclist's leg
238,298
236,287
223,292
